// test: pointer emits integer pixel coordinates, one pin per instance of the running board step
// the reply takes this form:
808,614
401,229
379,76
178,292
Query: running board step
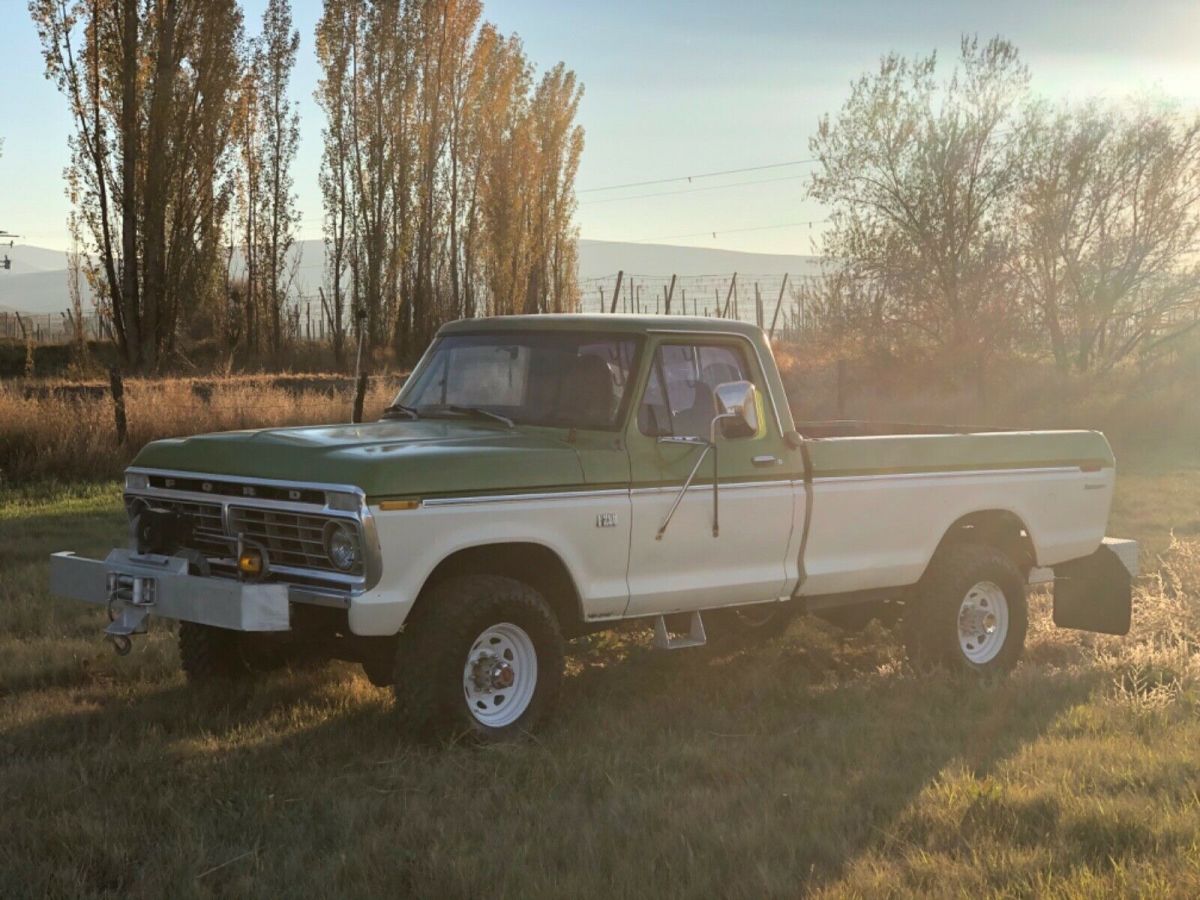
695,636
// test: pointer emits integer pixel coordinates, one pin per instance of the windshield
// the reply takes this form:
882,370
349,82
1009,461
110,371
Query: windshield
572,380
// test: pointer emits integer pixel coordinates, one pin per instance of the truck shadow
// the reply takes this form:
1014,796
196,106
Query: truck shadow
727,754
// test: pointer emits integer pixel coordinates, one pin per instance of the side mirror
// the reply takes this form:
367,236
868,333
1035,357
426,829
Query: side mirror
737,404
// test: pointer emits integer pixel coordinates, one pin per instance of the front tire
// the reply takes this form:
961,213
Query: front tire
209,654
482,656
970,612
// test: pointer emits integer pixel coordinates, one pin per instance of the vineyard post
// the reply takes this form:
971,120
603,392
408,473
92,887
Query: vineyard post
617,290
729,296
778,305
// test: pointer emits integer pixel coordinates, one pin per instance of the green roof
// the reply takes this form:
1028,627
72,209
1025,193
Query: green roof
601,323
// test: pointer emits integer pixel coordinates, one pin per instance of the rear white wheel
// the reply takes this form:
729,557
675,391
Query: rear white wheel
968,611
983,622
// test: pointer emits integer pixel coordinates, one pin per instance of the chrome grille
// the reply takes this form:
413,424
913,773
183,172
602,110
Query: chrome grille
292,539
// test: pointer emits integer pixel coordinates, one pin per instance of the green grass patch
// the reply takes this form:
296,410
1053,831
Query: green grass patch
818,764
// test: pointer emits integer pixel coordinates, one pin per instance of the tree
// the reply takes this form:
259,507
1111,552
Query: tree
1106,226
917,172
279,133
333,53
448,182
150,87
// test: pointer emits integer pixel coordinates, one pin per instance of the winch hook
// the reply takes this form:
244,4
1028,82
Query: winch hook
121,643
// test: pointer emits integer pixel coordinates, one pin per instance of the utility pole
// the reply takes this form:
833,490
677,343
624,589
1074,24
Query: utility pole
7,263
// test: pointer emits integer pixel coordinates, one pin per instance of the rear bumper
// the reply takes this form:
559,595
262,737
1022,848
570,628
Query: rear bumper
136,585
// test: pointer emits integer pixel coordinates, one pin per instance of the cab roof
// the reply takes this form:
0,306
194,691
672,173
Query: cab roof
602,323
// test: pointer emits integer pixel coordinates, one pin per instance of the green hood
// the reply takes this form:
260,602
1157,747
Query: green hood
385,459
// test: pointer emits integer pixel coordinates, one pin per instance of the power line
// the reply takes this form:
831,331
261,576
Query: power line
669,237
631,184
713,187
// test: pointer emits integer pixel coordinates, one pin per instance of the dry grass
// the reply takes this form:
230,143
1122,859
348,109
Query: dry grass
1130,405
68,439
49,435
819,764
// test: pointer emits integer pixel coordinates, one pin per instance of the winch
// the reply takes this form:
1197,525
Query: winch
130,599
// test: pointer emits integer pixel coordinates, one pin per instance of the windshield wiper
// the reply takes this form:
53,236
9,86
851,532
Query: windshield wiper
476,411
400,408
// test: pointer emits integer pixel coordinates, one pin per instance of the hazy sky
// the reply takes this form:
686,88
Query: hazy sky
677,89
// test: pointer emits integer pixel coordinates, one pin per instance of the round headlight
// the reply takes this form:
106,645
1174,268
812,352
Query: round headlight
341,545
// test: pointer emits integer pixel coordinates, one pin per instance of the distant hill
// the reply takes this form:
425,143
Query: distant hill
26,259
599,258
37,281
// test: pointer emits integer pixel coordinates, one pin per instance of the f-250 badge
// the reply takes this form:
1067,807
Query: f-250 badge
606,520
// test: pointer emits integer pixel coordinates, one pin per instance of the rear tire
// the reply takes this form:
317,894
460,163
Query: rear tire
481,656
969,612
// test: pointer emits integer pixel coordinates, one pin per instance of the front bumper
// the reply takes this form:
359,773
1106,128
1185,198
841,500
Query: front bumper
132,586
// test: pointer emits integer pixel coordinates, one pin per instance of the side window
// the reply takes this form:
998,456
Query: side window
679,399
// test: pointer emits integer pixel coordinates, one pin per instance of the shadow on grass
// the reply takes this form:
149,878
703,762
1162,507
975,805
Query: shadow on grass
678,771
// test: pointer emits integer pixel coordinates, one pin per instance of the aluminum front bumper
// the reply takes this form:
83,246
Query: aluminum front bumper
134,586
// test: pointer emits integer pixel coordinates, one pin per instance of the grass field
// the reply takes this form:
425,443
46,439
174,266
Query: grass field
818,764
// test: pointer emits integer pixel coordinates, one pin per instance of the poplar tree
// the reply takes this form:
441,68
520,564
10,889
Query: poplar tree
151,88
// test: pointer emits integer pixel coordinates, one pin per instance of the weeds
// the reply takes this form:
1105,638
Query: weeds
49,430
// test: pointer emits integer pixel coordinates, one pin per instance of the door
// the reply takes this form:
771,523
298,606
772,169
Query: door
688,567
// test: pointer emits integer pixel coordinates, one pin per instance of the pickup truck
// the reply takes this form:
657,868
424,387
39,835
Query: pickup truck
539,478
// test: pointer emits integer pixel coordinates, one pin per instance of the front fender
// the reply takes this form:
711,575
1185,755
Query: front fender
414,542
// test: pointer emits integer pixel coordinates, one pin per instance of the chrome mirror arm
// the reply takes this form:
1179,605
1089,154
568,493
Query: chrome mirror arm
687,483
710,444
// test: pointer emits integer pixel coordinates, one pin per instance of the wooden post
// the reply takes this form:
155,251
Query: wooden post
729,295
671,293
117,386
616,291
758,306
778,304
360,374
841,388
360,394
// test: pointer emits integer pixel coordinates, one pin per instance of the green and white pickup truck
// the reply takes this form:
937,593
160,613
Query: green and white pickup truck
542,477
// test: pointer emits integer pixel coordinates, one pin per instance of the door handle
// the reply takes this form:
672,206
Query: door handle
767,460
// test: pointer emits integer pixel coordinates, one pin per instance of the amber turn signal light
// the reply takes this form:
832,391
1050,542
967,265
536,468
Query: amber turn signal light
250,562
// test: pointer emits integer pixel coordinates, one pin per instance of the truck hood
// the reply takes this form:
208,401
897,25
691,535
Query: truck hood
390,458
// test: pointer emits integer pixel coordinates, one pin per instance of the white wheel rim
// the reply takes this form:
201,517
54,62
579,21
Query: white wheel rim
983,622
500,675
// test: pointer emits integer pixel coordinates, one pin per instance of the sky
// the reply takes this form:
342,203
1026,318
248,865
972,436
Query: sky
674,90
